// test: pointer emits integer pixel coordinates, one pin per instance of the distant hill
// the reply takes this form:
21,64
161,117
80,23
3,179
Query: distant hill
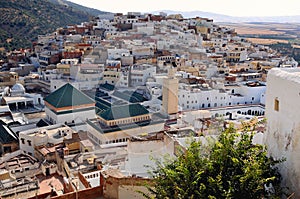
232,19
90,11
23,20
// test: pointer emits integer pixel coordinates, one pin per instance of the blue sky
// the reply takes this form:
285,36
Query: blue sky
227,7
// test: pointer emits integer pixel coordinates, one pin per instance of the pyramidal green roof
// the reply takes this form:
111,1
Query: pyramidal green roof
67,95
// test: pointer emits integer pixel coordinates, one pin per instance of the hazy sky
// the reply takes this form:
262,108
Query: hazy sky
227,7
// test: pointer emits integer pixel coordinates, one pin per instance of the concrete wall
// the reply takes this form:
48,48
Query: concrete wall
114,188
92,178
131,191
84,181
142,155
87,193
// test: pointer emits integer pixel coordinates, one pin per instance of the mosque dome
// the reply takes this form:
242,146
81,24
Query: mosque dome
18,88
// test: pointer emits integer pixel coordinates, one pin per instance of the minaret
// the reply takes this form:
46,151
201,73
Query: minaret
170,93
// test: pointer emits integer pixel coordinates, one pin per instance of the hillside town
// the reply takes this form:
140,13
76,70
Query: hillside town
86,110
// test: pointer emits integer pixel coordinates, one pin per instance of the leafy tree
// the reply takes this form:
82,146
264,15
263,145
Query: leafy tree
231,167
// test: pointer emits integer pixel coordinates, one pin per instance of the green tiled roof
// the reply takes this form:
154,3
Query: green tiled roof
7,135
107,86
125,111
130,96
42,123
101,105
67,95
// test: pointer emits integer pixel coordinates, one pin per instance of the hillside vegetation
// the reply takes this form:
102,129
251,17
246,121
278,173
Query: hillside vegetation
90,11
23,20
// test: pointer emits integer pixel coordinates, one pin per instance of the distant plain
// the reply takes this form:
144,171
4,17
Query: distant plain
268,33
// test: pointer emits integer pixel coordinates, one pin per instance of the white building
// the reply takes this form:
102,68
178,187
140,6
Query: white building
83,76
105,24
139,74
53,134
193,97
283,123
145,28
18,100
114,54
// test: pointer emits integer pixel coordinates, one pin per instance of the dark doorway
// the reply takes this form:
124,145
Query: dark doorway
47,171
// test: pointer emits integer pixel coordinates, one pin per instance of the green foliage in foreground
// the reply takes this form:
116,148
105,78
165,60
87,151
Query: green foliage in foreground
232,167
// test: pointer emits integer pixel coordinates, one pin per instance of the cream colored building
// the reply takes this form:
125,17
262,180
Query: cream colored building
170,93
112,72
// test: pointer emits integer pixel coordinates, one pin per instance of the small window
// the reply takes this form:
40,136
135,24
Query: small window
29,142
276,104
23,140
